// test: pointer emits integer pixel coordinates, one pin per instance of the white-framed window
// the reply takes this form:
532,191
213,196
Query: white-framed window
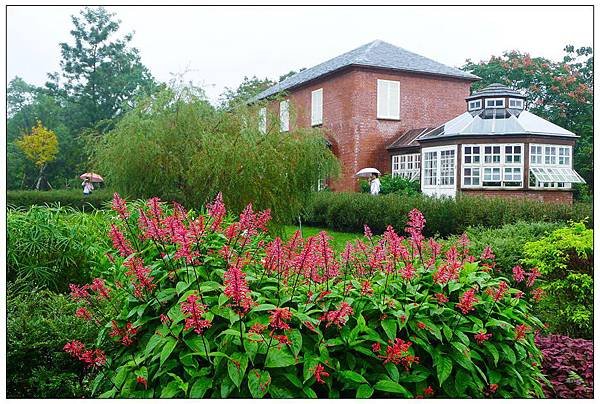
475,104
284,116
430,168
447,167
494,103
388,99
262,120
316,107
407,165
492,165
550,167
516,103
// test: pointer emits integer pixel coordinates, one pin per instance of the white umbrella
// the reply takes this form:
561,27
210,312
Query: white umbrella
365,172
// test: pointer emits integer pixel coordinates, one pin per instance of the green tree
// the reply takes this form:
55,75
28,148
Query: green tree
101,74
41,147
561,92
249,88
177,146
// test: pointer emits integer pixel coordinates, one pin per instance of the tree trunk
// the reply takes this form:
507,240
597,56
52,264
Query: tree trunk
40,176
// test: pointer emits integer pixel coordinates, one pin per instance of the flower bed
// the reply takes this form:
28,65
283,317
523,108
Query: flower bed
193,299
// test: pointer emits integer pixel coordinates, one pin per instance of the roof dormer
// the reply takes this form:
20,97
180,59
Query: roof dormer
495,97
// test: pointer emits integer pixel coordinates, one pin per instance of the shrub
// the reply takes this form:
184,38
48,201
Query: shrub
393,185
177,146
206,307
565,259
71,198
569,364
445,216
507,241
50,247
38,322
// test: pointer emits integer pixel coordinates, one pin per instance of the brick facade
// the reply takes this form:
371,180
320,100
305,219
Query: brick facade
551,195
350,121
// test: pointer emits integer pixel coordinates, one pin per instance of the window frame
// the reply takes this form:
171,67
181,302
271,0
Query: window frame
534,183
519,100
475,108
495,166
316,108
262,120
407,166
284,116
391,115
495,99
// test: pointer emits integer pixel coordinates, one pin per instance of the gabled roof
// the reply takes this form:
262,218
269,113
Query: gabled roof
377,54
408,139
502,122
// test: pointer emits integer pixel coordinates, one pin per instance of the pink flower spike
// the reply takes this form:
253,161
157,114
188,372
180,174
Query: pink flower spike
119,206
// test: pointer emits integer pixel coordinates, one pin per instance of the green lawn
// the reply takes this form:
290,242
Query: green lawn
339,238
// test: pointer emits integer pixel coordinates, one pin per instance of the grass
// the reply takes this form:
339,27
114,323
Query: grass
339,239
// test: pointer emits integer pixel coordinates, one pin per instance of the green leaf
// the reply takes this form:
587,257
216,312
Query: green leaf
310,363
310,393
293,379
167,350
364,391
494,352
296,339
170,390
390,326
350,376
166,294
236,373
181,286
392,387
393,371
444,368
108,394
279,358
510,354
263,307
155,341
258,382
447,332
200,387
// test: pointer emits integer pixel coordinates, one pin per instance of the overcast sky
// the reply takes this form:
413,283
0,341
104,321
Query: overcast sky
221,45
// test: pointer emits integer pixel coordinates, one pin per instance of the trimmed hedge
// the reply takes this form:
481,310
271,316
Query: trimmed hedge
445,216
63,197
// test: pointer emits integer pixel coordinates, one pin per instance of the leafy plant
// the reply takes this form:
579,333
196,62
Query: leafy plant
569,364
393,185
565,259
201,306
41,147
38,321
59,197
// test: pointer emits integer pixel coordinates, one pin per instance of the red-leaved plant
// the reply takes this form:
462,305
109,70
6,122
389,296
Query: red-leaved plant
198,305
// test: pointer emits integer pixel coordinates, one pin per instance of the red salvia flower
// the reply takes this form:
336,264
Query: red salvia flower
93,358
279,318
487,253
366,288
337,317
141,274
396,351
236,288
441,298
275,260
421,325
100,288
428,391
408,272
320,373
120,243
194,313
347,254
498,294
79,292
155,208
150,227
119,206
142,380
257,328
408,360
532,276
415,225
164,318
518,274
83,313
282,339
310,326
376,347
467,300
216,210
368,232
74,348
481,337
520,331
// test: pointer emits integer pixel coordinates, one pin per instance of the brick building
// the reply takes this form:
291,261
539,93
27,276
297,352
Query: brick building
365,98
385,107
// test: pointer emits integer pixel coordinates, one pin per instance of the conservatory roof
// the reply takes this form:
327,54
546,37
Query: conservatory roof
377,54
496,123
408,139
556,174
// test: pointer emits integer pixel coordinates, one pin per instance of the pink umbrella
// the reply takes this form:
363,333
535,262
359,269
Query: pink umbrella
92,177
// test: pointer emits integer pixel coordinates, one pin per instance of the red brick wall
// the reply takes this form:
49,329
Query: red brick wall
350,114
555,196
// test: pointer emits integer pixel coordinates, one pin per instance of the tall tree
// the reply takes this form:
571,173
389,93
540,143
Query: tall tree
41,147
249,88
561,92
101,74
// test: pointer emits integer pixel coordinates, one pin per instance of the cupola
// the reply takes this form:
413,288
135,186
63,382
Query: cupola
494,99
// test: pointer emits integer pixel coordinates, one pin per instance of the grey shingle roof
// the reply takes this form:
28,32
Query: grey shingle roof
374,54
496,90
408,138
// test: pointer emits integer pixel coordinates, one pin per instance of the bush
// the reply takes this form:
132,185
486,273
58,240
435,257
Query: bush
569,364
565,259
507,241
445,216
71,198
177,146
393,185
38,322
206,307
50,247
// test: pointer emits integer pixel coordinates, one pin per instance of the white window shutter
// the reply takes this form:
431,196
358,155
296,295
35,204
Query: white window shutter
262,120
388,99
382,103
394,99
316,114
284,116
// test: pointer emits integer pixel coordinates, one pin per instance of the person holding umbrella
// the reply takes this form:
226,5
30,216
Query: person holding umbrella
374,183
88,187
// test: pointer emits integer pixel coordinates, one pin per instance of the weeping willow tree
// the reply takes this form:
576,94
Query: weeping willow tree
175,145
